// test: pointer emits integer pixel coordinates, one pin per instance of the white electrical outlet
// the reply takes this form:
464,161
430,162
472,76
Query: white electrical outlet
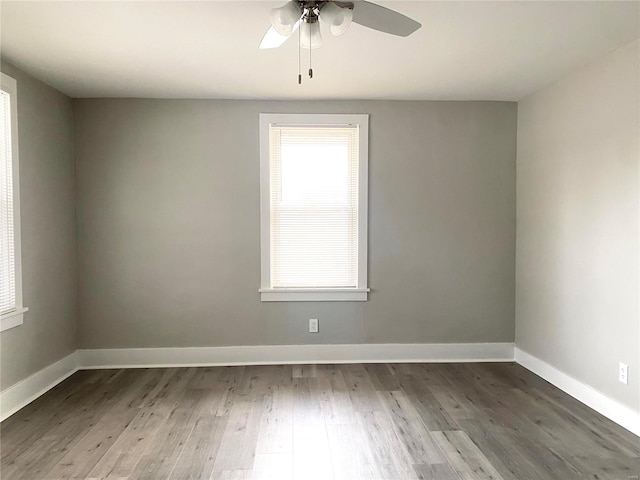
313,325
623,373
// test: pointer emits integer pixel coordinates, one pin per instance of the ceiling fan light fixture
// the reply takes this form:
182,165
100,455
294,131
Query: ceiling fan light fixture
305,16
285,17
310,36
338,18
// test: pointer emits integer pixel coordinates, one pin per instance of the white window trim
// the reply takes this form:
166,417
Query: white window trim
358,294
14,318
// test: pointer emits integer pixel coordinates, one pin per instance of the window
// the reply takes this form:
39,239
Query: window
313,207
11,309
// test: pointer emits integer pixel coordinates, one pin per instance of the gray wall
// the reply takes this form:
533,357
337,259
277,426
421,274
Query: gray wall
577,237
168,225
45,129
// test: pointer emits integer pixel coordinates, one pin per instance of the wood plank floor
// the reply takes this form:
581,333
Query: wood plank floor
375,421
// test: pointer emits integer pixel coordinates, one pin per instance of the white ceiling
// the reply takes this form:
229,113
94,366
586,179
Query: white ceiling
475,50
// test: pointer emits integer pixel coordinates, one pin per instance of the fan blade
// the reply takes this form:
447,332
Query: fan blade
383,19
272,39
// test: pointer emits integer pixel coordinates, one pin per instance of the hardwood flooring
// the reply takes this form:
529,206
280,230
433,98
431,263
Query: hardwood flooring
376,421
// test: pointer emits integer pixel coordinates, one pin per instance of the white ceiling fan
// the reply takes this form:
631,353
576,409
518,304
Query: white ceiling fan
305,16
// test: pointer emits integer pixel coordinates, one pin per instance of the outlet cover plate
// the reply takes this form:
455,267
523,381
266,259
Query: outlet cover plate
623,374
313,325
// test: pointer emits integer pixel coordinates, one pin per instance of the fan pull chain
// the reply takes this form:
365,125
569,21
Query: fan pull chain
299,48
310,69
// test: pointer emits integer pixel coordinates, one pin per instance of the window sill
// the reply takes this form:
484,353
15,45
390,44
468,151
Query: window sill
314,295
12,319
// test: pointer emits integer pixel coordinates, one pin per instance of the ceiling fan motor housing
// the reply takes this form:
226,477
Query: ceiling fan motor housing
311,9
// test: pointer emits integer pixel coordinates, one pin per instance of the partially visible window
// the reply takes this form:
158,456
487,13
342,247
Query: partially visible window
314,207
11,308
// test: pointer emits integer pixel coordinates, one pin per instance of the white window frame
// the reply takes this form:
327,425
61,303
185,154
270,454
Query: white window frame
269,294
14,318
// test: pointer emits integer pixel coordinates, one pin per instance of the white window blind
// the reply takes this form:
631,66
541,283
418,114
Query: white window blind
314,206
7,237
11,308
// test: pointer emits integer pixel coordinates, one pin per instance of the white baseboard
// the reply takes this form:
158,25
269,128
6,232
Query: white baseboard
26,391
286,354
612,409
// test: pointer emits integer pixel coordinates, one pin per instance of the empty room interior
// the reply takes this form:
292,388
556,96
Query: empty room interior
318,240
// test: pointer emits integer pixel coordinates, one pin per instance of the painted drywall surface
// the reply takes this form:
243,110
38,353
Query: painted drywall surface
47,202
169,239
577,235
